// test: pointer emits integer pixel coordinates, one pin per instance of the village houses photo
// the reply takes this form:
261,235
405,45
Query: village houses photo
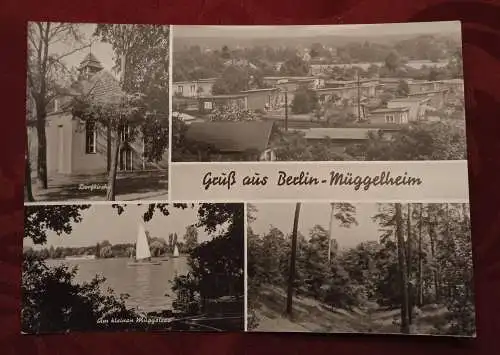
318,93
97,112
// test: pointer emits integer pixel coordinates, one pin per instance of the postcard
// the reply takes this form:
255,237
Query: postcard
208,178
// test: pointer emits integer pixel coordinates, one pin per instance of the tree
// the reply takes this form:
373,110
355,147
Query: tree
294,66
216,266
403,90
343,213
455,65
419,141
157,247
232,81
190,238
120,113
304,101
293,255
392,61
105,251
225,52
58,218
402,270
419,286
317,50
146,74
46,76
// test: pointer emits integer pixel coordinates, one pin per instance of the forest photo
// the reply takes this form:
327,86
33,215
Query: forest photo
387,268
133,267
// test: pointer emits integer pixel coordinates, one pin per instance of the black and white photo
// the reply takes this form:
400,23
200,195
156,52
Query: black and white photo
97,112
318,93
385,268
133,267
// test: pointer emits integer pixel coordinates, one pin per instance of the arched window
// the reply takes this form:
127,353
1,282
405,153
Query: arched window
90,137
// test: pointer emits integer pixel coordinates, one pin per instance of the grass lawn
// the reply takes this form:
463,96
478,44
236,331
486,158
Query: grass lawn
130,186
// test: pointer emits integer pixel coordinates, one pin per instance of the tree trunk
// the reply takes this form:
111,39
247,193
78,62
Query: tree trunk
409,245
41,167
420,292
41,109
332,218
405,326
27,172
108,147
111,192
432,237
293,256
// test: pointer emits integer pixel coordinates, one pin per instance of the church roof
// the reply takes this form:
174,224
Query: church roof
91,61
103,87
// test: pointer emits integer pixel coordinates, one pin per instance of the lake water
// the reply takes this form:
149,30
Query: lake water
149,286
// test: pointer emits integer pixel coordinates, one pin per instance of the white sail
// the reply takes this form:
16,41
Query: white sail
176,251
142,246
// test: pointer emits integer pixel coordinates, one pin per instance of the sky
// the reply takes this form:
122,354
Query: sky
281,215
316,30
102,51
102,222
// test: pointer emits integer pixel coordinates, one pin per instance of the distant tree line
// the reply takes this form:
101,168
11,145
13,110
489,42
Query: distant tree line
193,62
104,249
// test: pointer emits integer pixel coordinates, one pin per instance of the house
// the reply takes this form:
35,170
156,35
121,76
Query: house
318,69
84,147
437,98
396,115
337,94
295,81
340,135
193,88
185,104
207,103
418,86
232,141
263,99
339,138
455,85
391,83
417,105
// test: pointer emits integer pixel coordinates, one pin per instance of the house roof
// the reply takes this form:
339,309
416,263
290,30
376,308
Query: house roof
339,133
226,96
290,78
423,93
207,80
340,88
232,137
408,99
395,109
184,116
258,90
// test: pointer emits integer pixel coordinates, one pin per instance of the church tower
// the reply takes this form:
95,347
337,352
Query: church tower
89,66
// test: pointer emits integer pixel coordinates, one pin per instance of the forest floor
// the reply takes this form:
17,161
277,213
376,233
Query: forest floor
310,315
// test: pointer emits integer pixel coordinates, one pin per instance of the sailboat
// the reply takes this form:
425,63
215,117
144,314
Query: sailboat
142,252
176,252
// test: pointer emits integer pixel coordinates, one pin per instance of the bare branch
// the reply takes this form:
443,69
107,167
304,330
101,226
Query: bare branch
72,52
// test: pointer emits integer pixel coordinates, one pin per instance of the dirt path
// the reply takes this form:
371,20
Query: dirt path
310,315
